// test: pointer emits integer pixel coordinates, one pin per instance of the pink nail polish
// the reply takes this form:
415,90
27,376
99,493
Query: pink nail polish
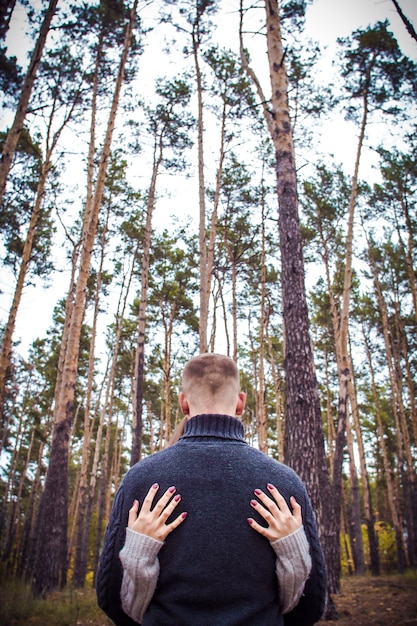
254,503
270,486
184,515
257,492
250,520
177,498
172,489
155,486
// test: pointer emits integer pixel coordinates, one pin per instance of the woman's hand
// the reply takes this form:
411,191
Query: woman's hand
281,521
153,522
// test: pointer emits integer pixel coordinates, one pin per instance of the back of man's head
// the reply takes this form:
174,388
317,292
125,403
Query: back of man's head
211,380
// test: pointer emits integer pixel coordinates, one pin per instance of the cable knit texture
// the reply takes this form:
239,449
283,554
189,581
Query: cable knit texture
293,567
139,557
214,568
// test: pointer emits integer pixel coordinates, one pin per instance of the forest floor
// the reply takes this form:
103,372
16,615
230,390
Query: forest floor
383,601
364,601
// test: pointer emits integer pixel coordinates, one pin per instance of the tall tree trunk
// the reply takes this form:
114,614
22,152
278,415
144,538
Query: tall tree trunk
14,496
51,557
356,526
344,373
204,296
304,441
137,422
391,482
262,422
210,248
404,457
167,365
13,134
107,406
278,394
402,367
26,552
344,529
367,497
80,563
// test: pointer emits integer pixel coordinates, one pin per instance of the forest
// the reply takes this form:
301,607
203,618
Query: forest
202,175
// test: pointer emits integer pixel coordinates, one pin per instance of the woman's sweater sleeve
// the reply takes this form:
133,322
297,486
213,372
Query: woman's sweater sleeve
293,566
139,557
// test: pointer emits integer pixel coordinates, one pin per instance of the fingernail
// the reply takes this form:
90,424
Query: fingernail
172,489
254,503
177,498
250,520
155,486
270,486
184,515
257,492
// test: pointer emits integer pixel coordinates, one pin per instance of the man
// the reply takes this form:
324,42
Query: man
214,566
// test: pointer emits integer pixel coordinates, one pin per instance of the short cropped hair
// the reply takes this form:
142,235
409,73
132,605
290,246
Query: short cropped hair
211,372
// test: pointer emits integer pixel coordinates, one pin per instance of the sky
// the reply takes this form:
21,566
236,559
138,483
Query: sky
326,21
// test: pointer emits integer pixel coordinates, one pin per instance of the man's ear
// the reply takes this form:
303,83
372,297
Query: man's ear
182,399
241,402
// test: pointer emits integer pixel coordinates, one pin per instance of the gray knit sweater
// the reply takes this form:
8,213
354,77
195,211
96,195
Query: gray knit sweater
214,569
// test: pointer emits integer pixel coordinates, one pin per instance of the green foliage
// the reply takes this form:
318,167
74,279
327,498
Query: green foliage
376,70
10,75
386,547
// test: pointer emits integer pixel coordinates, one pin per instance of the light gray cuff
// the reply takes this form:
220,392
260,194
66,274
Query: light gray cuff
293,566
140,547
139,557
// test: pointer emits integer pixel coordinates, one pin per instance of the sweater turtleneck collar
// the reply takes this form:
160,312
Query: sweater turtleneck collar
214,425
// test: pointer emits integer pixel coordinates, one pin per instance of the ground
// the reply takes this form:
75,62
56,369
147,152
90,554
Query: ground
383,601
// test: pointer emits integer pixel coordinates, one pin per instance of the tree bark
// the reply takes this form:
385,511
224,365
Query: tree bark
391,482
356,526
367,496
304,442
137,423
204,296
262,421
51,557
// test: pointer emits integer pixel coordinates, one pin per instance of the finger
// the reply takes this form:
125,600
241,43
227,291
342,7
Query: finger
278,497
296,510
177,521
163,501
133,514
266,501
259,529
149,498
163,516
265,513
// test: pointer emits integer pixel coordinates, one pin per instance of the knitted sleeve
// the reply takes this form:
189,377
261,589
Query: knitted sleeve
311,605
109,575
139,557
293,566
